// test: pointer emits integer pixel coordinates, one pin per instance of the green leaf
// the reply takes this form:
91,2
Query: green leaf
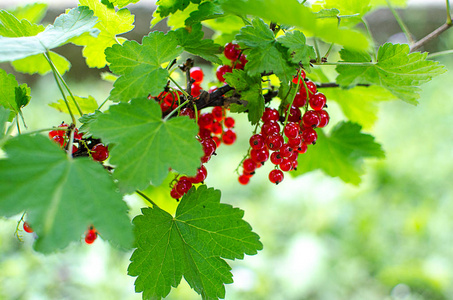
33,12
145,146
265,54
359,104
190,244
193,42
328,13
87,120
140,65
123,3
10,26
298,50
250,90
350,12
395,3
62,196
4,116
206,11
87,105
341,154
110,24
167,7
12,96
396,70
295,14
67,26
39,64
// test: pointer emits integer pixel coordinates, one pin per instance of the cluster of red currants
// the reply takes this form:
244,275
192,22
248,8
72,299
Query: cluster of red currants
98,152
297,134
90,235
238,61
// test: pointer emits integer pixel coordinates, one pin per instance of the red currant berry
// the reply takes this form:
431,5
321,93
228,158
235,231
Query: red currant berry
59,140
229,122
232,51
291,130
99,152
286,165
187,112
311,86
209,146
295,142
195,90
249,165
310,119
229,137
270,127
217,141
204,133
244,179
197,74
77,135
174,194
274,141
27,227
276,158
205,120
318,101
216,128
221,71
294,114
295,164
276,176
202,173
259,155
183,185
323,118
299,100
270,114
257,141
302,148
286,150
309,136
243,59
91,236
300,78
217,113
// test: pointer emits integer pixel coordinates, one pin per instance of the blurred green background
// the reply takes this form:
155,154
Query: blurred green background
389,238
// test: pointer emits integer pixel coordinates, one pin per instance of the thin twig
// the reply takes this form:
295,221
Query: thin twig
401,23
430,36
147,198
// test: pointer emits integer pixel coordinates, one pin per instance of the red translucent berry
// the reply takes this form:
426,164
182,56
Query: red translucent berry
221,71
270,114
77,135
217,113
295,164
243,59
229,137
91,236
286,150
229,122
209,146
204,133
99,152
302,148
197,74
300,78
259,155
239,66
276,158
249,165
295,142
27,227
257,141
323,118
217,141
232,51
59,140
310,118
318,101
299,100
53,133
274,141
216,128
244,179
202,173
183,185
195,90
309,136
311,87
174,194
270,127
294,114
286,165
291,130
276,176
187,112
205,120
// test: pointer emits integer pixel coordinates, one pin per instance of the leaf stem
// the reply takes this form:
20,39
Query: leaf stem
448,12
401,23
105,101
440,53
147,199
175,110
180,88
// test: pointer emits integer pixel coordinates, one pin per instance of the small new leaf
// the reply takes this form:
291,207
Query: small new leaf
62,196
249,87
145,146
86,104
167,7
341,153
140,65
190,244
206,11
298,50
12,96
396,70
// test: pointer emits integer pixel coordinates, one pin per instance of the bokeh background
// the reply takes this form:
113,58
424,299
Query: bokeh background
389,238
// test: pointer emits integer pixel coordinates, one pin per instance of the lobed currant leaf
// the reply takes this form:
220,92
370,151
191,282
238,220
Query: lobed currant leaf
167,7
140,65
206,11
190,244
10,26
62,196
110,24
298,50
396,70
67,26
249,87
12,95
145,146
86,104
355,9
122,3
33,12
341,153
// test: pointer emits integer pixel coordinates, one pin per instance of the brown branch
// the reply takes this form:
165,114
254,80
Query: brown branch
420,43
334,85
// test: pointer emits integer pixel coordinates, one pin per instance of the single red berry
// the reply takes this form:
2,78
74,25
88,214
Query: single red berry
249,165
244,179
205,120
27,227
276,176
295,164
274,141
302,148
259,155
217,141
286,150
59,140
257,141
270,114
99,152
216,128
323,118
291,130
232,51
209,146
311,87
197,74
310,118
270,127
195,90
77,135
243,59
187,112
318,101
183,185
286,165
204,133
202,173
299,100
295,142
300,78
229,122
221,71
276,158
294,114
217,113
91,236
174,194
309,136
229,137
